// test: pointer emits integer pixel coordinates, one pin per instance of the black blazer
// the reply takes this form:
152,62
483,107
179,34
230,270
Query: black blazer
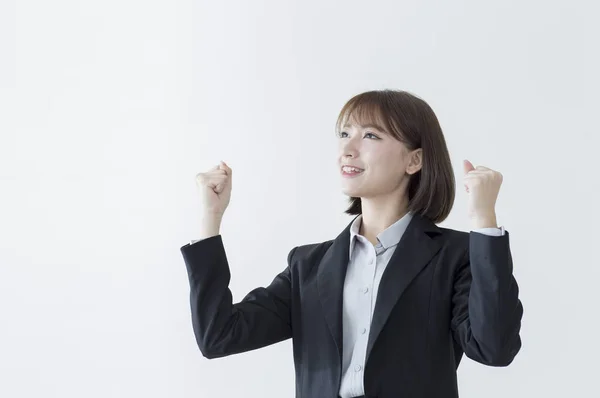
444,292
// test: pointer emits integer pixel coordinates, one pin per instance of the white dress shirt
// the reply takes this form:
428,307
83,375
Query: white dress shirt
365,268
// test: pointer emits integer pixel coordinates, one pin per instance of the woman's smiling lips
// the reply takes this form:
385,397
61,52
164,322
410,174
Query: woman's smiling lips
351,171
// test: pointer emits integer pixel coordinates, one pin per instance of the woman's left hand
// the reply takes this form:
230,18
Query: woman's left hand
483,185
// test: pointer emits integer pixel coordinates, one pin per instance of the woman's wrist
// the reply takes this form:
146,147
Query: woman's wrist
210,225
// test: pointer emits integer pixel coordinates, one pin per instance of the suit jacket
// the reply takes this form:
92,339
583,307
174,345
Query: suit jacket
443,293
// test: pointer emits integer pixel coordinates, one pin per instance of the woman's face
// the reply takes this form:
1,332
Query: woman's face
383,159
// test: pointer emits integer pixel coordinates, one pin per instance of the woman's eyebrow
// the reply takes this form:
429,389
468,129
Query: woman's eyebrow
366,126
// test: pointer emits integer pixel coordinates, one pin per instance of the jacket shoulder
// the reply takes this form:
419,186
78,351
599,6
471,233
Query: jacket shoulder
310,251
303,259
454,234
455,240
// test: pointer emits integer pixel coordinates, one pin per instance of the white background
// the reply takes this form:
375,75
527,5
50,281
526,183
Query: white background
108,109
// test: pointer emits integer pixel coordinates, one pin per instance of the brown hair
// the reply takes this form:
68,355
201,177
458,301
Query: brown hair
410,120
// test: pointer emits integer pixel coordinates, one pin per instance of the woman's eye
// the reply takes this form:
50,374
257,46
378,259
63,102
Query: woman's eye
341,134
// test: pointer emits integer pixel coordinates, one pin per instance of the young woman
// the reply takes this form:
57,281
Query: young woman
388,307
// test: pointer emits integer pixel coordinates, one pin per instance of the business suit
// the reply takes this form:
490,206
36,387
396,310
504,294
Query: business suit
444,292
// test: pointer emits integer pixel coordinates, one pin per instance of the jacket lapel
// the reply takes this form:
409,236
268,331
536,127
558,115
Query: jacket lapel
412,254
330,284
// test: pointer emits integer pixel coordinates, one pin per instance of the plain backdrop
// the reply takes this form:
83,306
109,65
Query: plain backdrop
108,109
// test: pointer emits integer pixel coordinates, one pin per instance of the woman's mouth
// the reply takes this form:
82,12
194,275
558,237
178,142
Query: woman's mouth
349,171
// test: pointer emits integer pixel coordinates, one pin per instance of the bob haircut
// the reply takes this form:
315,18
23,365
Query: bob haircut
410,120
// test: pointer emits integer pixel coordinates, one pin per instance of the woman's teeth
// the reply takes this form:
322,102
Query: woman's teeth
348,169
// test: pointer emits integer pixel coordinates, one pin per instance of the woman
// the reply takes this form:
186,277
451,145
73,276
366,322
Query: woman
388,307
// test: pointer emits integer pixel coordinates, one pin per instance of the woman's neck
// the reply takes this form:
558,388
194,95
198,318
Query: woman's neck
379,214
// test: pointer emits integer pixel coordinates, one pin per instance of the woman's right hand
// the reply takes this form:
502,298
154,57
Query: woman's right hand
215,189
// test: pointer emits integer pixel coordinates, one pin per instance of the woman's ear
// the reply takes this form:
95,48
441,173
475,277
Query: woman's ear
416,161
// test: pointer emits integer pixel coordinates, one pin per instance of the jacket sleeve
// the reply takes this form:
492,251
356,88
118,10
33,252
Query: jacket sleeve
221,327
486,312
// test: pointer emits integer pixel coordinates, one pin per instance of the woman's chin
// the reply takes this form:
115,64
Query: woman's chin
353,192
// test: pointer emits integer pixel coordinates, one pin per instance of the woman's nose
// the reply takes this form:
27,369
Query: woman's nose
348,148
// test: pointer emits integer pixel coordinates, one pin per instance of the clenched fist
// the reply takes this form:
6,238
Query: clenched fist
483,186
215,189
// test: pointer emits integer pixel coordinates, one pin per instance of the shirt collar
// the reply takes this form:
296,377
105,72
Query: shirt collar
386,238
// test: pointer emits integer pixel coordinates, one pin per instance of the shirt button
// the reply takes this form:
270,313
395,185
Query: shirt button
358,368
365,290
363,331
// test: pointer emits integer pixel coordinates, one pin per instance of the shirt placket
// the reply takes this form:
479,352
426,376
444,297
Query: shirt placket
367,299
